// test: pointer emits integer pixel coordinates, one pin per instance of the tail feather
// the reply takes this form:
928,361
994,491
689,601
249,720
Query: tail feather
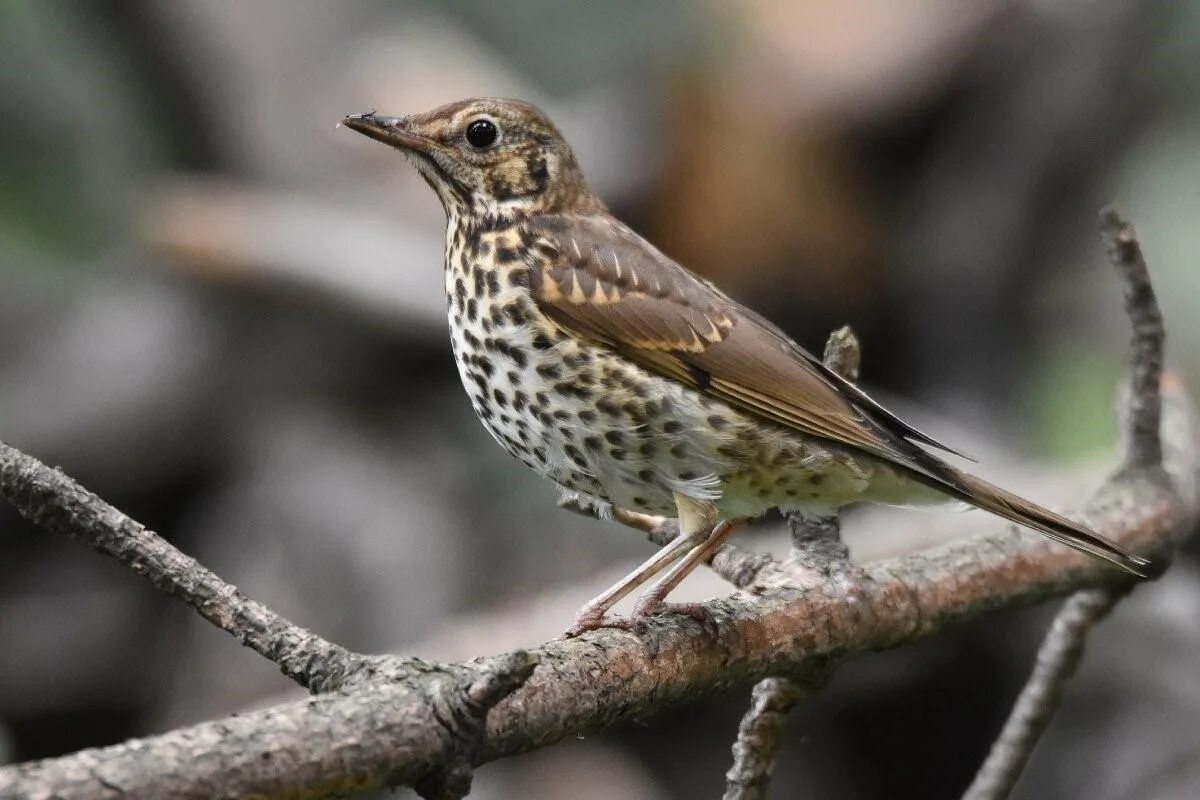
1017,509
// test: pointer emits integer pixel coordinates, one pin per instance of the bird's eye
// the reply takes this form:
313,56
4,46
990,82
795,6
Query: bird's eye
482,133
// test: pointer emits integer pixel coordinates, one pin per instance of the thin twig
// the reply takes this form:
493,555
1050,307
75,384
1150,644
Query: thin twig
47,497
1057,660
757,743
1140,415
1144,444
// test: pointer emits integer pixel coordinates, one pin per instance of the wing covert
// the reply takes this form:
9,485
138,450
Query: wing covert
597,278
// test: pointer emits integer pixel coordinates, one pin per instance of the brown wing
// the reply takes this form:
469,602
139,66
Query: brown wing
597,278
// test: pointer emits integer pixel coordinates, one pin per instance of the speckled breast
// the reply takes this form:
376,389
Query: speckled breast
595,423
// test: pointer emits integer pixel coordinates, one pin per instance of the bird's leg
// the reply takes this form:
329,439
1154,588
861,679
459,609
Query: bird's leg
652,600
696,520
591,616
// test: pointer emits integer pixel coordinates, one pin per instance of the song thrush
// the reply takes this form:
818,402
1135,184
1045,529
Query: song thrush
618,374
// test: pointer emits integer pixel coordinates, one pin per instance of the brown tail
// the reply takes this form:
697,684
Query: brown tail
984,495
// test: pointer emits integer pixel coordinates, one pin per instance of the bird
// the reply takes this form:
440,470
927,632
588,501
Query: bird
634,384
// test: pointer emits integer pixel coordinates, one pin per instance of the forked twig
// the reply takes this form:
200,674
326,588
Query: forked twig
1062,649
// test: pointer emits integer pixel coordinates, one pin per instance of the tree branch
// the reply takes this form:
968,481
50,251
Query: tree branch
593,681
47,497
426,725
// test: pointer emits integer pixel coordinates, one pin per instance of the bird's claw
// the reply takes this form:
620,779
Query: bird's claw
636,622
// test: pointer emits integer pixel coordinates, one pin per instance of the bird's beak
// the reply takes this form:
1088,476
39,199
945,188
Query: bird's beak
394,131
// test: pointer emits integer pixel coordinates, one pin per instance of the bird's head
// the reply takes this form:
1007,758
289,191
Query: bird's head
502,158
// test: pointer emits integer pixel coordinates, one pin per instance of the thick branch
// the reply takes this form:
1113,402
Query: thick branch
47,497
602,677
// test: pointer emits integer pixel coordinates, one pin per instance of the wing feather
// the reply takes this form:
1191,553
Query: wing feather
668,320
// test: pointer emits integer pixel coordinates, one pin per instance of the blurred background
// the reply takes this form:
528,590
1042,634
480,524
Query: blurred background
225,316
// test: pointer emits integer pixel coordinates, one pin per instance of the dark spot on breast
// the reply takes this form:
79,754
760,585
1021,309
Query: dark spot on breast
575,456
566,432
506,255
471,339
646,475
646,449
816,480
513,378
519,401
500,398
472,310
542,399
568,389
718,422
548,371
728,451
493,283
587,415
617,454
479,380
477,277
515,313
614,437
484,364
541,342
640,502
687,475
678,450
561,415
606,406
591,442
672,426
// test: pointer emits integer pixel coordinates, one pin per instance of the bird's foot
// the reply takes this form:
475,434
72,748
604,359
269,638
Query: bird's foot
588,620
651,607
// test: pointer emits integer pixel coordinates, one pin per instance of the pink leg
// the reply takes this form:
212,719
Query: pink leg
591,616
651,601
